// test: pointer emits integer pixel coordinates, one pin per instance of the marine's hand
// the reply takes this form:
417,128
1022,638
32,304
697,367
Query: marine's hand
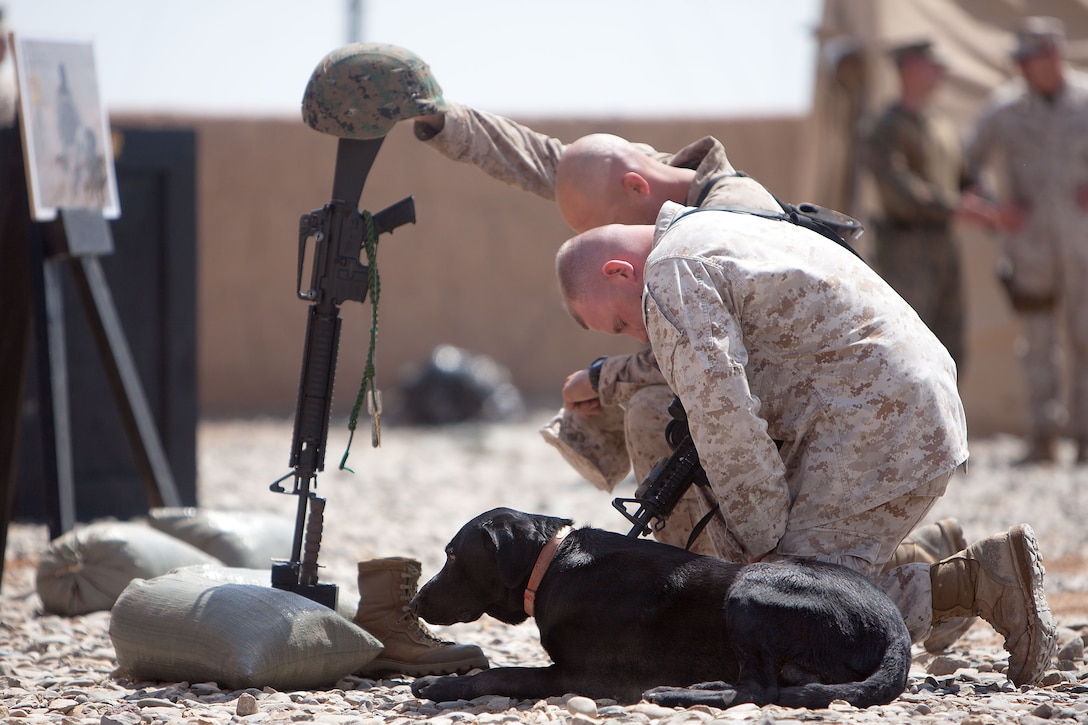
579,396
427,127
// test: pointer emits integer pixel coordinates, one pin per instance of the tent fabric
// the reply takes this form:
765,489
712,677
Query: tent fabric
855,76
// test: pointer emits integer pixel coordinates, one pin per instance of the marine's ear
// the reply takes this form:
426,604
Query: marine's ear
618,268
635,183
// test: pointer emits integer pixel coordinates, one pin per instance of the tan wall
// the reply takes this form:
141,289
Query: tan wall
476,270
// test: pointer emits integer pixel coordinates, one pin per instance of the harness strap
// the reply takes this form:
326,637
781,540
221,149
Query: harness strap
822,221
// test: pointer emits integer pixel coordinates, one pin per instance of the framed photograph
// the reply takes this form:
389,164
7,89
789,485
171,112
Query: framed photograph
66,139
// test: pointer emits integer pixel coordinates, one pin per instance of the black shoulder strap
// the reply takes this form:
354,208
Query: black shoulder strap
829,223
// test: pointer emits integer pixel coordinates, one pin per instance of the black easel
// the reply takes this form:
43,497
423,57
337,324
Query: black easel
41,251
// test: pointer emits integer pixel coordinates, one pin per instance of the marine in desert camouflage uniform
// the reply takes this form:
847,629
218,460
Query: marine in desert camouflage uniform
633,412
1038,126
826,414
915,159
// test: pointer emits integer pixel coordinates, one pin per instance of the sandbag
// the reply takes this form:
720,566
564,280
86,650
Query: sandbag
249,539
87,568
347,603
187,627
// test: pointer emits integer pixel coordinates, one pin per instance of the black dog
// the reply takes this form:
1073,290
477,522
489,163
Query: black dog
619,615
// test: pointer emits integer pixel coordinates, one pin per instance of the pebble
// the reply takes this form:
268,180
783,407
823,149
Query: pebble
412,494
582,706
247,705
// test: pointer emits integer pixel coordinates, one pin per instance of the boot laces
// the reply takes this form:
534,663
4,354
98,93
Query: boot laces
408,586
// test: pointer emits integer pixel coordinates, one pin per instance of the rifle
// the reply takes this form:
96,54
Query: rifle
357,93
338,232
669,480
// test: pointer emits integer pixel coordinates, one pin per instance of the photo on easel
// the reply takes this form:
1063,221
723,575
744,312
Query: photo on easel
66,140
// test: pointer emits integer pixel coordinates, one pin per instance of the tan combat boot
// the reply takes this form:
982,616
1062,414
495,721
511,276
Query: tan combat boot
929,544
386,586
1000,579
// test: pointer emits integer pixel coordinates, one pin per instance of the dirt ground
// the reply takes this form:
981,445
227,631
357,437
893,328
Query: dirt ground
410,496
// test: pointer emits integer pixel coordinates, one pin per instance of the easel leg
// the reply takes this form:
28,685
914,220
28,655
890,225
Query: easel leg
90,282
60,427
58,489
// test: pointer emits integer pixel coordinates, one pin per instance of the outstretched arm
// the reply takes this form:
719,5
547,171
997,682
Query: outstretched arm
501,148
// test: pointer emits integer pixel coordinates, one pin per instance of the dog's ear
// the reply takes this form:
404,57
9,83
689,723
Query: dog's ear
515,551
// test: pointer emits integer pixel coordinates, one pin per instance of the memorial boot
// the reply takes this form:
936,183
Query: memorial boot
929,544
386,586
1000,579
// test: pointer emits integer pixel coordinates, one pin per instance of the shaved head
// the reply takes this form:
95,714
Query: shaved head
600,275
604,179
589,177
578,262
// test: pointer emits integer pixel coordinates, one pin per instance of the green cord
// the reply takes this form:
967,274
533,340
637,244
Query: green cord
375,286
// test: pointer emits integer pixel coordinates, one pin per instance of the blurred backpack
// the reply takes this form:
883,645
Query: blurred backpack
455,386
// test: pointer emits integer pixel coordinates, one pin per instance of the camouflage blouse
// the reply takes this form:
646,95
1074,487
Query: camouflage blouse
813,391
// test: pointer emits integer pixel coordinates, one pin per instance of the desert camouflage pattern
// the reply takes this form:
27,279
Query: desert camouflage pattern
519,156
1040,151
361,90
916,163
594,445
769,333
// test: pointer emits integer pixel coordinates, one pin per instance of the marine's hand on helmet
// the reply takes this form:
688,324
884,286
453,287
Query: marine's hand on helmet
427,127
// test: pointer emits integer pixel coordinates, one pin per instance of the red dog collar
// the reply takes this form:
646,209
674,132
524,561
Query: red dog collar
542,561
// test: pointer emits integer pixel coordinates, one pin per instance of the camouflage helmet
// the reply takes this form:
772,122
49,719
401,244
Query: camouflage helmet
361,90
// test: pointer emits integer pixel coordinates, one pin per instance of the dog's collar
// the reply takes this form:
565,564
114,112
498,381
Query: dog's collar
542,561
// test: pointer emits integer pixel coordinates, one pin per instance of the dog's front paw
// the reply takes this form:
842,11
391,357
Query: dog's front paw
439,688
715,694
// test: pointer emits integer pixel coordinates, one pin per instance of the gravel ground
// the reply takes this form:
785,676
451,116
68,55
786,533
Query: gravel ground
410,496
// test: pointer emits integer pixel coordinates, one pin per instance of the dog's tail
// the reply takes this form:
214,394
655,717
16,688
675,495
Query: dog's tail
887,682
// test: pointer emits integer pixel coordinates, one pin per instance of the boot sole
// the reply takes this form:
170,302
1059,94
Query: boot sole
380,668
1030,570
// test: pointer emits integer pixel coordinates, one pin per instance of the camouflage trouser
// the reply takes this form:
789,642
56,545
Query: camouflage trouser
866,541
922,264
1054,340
863,542
1040,357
